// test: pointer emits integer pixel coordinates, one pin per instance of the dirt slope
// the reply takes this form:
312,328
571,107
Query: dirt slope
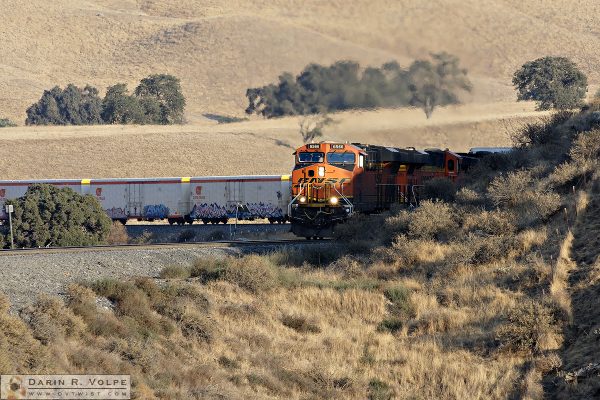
219,49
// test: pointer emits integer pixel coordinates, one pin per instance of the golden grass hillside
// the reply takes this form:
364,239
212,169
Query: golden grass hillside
242,148
490,296
219,49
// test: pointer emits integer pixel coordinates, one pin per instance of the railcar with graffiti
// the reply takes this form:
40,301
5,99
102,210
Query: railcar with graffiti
177,200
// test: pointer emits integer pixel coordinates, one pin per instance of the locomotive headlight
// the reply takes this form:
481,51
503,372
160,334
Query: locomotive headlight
333,200
302,199
321,171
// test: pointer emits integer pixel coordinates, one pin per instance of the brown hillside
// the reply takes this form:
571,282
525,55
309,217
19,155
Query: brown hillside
219,49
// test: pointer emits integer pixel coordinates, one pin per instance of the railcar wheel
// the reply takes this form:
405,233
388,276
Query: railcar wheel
171,221
204,221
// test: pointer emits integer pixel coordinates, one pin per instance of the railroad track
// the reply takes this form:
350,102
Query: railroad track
154,246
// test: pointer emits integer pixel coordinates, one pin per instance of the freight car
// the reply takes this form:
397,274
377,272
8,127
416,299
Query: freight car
177,200
332,181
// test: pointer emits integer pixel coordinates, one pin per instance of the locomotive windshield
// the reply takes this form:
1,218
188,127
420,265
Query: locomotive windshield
313,157
340,158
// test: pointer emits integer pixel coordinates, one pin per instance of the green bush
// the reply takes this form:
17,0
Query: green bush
51,216
6,123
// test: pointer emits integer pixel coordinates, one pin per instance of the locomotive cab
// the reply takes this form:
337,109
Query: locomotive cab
322,186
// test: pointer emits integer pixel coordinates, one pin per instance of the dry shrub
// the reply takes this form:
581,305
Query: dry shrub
379,390
50,320
82,301
508,190
527,328
131,301
397,223
208,269
118,234
20,352
466,196
439,320
175,272
548,363
348,266
391,325
400,303
145,237
489,222
515,192
414,252
197,327
432,220
186,235
253,273
300,323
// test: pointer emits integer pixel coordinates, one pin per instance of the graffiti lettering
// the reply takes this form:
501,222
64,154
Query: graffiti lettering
158,211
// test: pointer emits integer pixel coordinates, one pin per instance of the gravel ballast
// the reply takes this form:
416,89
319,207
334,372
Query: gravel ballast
24,276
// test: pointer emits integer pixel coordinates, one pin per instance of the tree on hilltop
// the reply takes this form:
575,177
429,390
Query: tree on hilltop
553,82
437,82
71,106
162,93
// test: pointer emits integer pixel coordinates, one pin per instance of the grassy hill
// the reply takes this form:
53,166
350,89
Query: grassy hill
219,49
490,296
242,148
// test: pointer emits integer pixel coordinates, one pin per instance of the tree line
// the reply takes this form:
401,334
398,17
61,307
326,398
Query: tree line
156,100
344,85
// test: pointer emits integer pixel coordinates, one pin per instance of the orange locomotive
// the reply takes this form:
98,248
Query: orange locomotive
331,181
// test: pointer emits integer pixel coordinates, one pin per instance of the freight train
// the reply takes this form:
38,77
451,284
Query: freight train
332,181
177,200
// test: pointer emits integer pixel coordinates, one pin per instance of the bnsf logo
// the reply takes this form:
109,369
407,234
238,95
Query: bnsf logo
322,180
199,190
98,192
2,192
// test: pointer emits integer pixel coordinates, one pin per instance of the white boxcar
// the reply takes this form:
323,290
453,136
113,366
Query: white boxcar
179,200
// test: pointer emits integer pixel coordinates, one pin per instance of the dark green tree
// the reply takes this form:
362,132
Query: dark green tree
553,82
437,82
71,106
119,107
51,216
161,96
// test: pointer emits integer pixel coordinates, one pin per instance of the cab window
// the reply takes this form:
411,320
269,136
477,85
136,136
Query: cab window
451,165
312,157
340,158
